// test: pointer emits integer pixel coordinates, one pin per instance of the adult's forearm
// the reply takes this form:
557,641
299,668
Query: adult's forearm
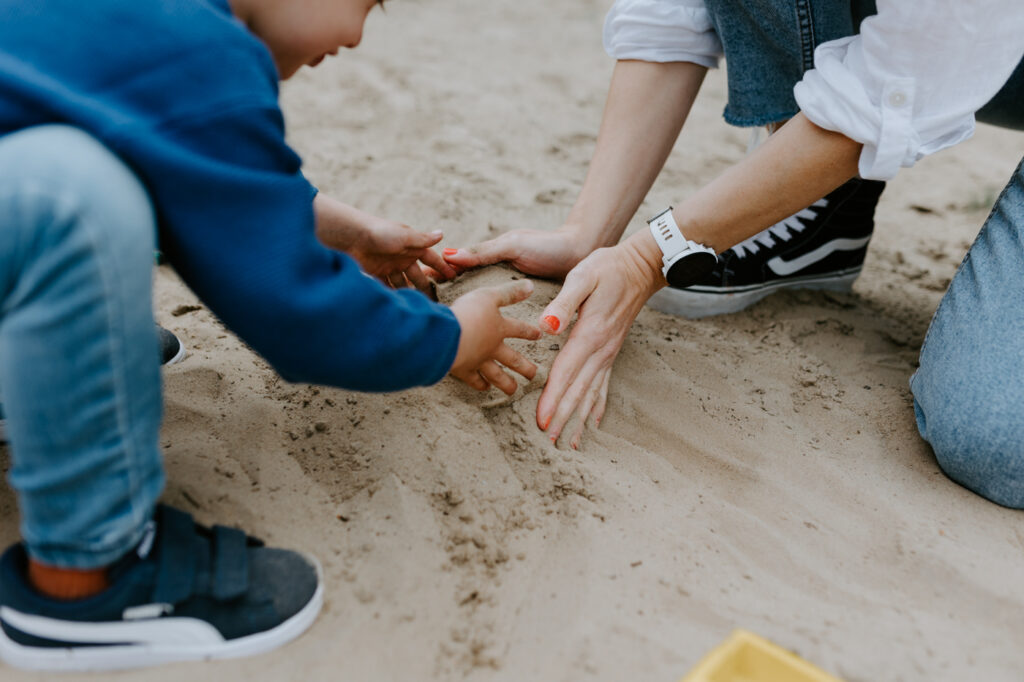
795,167
647,105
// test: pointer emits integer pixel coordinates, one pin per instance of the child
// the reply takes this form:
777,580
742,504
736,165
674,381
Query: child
117,121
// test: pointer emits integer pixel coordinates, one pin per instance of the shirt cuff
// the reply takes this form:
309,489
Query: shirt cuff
834,96
662,31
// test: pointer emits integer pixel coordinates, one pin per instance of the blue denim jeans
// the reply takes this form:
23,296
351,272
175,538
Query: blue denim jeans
769,44
79,368
969,389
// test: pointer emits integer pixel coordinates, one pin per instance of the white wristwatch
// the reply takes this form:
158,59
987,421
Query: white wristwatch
685,262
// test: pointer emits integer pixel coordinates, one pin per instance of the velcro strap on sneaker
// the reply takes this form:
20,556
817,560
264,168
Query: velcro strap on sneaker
230,563
177,546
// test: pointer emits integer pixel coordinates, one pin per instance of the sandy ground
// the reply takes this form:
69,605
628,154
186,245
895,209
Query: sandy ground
760,470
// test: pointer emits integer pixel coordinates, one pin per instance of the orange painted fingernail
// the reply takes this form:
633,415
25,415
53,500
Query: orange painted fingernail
450,252
547,423
553,322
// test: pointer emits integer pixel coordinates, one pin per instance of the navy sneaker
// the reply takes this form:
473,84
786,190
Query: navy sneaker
821,247
186,593
172,350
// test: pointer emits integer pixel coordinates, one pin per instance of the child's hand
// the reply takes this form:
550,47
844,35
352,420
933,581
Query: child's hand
484,330
392,252
385,249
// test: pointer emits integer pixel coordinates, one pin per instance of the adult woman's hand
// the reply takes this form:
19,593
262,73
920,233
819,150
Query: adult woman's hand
608,288
533,252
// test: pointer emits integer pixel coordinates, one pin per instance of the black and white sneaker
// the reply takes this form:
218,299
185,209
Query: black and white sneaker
821,247
172,350
186,593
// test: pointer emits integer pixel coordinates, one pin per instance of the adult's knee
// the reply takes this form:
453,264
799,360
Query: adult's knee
975,428
62,179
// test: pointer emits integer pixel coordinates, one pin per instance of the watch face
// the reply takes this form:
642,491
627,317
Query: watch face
690,269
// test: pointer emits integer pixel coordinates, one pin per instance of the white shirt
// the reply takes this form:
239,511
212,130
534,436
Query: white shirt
906,87
662,31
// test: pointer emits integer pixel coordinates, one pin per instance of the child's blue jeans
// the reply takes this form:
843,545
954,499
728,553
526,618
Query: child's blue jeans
79,360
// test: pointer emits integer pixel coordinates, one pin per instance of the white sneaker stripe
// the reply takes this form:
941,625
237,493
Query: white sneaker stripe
784,268
164,631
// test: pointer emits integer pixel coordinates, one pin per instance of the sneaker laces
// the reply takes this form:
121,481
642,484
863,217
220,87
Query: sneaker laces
782,230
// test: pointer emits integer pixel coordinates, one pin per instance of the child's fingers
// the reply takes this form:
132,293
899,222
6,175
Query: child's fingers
515,362
431,258
520,330
419,280
494,374
473,379
424,240
511,292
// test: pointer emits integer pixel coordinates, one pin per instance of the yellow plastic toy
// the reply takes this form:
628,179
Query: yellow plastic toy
745,657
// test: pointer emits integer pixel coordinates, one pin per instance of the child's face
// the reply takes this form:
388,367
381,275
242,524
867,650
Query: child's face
301,32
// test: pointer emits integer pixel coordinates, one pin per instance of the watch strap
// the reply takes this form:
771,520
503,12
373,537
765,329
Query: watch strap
668,235
671,241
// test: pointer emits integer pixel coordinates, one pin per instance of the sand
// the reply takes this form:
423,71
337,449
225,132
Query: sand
760,470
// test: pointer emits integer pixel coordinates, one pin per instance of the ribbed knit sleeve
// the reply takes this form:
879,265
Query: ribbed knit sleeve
238,224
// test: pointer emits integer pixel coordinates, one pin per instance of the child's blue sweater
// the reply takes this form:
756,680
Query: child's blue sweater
187,97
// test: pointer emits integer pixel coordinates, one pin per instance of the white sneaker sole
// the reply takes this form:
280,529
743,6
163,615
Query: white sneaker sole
119,657
694,303
179,356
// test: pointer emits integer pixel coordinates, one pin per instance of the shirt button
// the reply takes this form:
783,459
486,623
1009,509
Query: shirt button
897,99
